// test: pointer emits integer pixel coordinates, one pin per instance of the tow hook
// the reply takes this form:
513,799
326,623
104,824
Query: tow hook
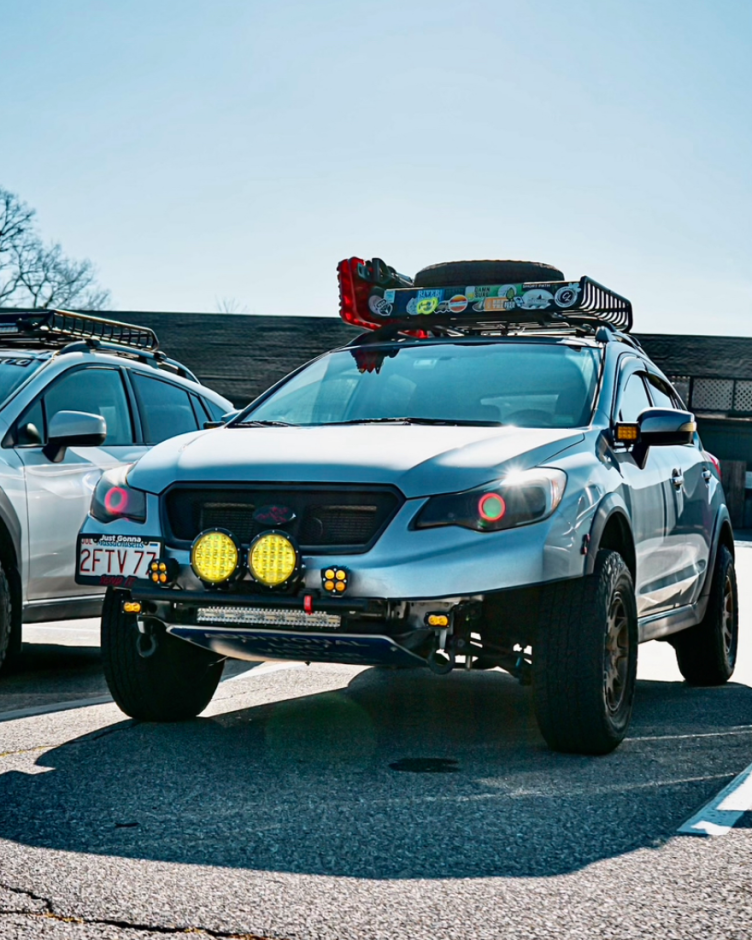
441,659
147,640
523,670
441,662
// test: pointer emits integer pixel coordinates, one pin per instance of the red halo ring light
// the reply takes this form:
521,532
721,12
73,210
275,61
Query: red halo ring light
491,507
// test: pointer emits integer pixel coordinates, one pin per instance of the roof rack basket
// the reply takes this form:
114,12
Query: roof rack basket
373,295
58,327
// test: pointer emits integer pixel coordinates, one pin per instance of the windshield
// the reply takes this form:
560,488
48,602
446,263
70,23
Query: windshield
14,370
530,385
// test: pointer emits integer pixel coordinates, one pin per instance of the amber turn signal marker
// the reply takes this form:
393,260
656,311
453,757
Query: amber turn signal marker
437,620
132,607
627,433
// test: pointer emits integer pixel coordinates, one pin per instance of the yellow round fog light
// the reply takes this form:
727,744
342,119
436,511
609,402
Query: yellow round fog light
214,557
272,559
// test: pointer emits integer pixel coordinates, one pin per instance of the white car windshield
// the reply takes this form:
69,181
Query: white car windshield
532,385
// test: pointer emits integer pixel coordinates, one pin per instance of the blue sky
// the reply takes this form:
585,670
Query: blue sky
201,149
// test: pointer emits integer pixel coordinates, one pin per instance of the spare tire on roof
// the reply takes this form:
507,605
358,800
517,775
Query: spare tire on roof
464,273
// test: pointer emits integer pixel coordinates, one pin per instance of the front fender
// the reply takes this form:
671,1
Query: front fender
612,505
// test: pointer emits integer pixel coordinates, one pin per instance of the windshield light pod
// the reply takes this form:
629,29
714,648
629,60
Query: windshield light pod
518,499
215,556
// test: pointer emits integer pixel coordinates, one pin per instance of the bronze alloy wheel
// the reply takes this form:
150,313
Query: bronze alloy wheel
616,659
728,619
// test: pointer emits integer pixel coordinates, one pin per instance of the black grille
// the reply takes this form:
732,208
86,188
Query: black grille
347,519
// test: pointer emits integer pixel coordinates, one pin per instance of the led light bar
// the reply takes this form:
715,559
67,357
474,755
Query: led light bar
268,617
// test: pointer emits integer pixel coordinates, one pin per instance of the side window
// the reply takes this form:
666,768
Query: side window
30,427
97,391
634,398
166,409
660,393
214,412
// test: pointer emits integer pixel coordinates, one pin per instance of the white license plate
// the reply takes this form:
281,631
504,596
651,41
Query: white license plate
115,560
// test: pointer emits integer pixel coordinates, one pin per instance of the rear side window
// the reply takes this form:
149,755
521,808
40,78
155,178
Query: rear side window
96,391
166,409
213,411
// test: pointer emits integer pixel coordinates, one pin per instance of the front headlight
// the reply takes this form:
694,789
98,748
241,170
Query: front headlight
114,499
518,499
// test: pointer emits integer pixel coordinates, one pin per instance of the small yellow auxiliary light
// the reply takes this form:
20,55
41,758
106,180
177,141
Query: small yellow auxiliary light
437,620
214,557
272,559
627,433
131,607
334,579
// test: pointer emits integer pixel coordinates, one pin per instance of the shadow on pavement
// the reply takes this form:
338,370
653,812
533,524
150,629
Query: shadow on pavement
49,672
399,775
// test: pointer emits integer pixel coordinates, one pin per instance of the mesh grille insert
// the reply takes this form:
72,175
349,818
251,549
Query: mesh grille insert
347,519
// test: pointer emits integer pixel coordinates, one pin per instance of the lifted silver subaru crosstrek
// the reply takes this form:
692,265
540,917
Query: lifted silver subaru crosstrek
493,475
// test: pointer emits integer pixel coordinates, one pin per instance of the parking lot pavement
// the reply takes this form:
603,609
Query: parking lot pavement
337,802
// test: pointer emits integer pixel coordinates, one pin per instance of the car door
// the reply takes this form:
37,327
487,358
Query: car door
59,494
644,494
689,518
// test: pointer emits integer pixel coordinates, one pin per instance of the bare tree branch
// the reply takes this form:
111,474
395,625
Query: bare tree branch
229,305
32,275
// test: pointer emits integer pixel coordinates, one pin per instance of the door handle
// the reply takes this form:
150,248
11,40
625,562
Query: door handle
677,478
707,475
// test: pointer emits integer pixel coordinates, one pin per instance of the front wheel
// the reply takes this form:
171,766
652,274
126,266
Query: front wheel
706,653
585,659
158,678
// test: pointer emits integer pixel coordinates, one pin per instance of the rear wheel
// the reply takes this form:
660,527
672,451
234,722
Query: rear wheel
156,678
585,659
5,617
706,654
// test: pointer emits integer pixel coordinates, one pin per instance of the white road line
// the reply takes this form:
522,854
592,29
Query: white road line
722,813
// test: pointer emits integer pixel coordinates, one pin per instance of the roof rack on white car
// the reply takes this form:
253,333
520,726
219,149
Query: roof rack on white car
373,294
52,329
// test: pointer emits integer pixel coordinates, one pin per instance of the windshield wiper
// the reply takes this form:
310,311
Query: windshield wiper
406,420
266,424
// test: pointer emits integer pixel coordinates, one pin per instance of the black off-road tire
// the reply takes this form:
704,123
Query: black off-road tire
585,659
463,273
5,617
176,682
706,654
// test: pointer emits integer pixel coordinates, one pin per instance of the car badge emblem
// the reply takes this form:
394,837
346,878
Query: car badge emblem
274,515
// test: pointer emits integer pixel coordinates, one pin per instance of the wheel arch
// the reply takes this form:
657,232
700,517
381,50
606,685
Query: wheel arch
723,534
10,558
612,529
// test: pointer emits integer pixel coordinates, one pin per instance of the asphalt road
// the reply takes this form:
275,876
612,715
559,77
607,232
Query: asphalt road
337,802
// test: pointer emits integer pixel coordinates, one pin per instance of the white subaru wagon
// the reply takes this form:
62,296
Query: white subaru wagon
78,395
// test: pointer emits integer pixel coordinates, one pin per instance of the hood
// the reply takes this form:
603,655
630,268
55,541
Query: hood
419,460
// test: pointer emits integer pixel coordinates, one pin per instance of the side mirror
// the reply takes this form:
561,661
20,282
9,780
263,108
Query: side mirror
655,427
73,429
225,419
663,426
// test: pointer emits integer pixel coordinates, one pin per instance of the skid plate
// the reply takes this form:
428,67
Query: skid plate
351,648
